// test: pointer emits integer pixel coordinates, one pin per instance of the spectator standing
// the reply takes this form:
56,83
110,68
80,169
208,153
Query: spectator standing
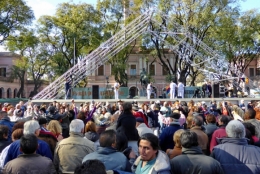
141,127
234,153
203,139
30,127
220,132
70,151
192,159
29,161
177,150
167,134
151,159
5,120
108,154
250,117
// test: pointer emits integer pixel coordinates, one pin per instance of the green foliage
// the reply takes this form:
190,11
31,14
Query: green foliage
14,15
72,22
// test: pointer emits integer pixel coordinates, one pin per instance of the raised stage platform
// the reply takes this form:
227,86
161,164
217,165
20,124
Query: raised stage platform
207,100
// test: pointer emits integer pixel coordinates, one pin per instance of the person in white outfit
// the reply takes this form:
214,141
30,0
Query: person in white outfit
172,89
116,89
180,90
149,90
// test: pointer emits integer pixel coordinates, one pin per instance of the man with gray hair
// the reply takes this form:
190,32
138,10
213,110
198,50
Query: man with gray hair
234,153
70,151
30,127
203,139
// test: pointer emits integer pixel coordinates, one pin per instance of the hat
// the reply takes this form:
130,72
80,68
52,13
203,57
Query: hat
158,102
5,104
203,102
139,120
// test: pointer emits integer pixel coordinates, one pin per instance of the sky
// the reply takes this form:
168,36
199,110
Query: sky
48,7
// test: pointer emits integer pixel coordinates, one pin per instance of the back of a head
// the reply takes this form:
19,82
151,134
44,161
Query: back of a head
30,127
177,137
3,132
250,113
17,134
235,129
127,107
76,126
91,167
107,138
225,119
29,143
189,139
198,120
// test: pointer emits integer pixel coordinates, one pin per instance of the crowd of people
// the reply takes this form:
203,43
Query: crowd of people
150,137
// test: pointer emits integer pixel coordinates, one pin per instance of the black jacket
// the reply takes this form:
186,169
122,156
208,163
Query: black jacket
193,160
126,123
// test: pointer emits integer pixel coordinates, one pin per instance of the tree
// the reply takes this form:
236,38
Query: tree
18,71
72,33
36,58
238,39
14,15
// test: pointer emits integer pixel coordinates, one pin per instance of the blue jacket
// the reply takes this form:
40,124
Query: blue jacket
166,138
112,159
14,150
236,156
6,121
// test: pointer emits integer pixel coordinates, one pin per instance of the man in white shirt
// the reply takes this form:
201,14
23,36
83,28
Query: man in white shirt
149,90
116,89
172,89
180,89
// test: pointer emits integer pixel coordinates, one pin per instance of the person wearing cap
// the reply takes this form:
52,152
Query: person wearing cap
142,127
234,153
167,133
172,89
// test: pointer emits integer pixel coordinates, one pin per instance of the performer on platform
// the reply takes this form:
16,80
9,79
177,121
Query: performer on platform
172,89
67,88
116,89
204,89
180,89
149,90
209,90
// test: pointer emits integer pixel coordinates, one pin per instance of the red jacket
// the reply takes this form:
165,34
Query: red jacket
219,133
140,114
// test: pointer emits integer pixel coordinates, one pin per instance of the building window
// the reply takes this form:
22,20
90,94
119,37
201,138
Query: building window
3,72
164,71
257,71
132,70
251,72
101,70
152,69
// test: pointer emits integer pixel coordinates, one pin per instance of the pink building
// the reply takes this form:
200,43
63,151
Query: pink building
8,86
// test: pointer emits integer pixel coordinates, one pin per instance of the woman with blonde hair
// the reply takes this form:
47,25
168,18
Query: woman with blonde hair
177,147
55,128
91,131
